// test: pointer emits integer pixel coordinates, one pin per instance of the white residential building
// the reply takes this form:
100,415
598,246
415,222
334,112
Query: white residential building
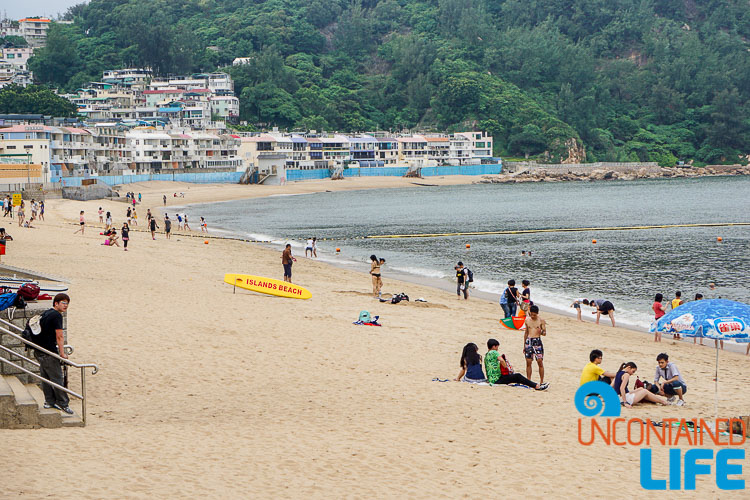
16,56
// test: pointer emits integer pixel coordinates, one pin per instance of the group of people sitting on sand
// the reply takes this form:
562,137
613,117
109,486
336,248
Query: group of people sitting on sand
498,368
668,387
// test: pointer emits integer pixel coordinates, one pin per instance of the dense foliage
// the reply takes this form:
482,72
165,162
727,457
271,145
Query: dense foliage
35,100
630,79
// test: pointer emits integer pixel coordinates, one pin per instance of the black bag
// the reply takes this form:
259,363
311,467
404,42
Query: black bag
470,274
19,302
33,329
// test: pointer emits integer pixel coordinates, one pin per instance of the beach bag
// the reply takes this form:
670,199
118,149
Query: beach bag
29,291
470,274
524,305
364,316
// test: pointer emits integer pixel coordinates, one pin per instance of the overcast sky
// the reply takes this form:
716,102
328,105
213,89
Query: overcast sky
18,9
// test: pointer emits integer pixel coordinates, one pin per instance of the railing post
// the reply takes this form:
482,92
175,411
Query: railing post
83,393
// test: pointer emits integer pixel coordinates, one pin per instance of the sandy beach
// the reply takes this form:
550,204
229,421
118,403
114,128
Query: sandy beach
205,392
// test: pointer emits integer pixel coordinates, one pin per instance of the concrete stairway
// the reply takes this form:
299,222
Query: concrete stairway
22,407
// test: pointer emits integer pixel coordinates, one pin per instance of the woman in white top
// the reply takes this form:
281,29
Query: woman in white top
309,247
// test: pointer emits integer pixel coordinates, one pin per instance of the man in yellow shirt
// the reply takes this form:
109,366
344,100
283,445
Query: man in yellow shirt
592,371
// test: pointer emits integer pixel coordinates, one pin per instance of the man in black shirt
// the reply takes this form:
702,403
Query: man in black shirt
51,338
462,281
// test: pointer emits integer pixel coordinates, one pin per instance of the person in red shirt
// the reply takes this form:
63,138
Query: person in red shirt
659,311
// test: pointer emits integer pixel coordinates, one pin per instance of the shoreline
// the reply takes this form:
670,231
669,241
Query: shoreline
437,284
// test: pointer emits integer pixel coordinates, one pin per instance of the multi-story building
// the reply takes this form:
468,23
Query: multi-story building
31,141
135,78
362,150
11,75
16,56
387,150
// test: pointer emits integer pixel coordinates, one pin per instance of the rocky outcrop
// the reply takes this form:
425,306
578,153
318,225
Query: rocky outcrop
607,174
91,192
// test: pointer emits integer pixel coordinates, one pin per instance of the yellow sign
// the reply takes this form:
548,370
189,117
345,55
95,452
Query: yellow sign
268,286
17,197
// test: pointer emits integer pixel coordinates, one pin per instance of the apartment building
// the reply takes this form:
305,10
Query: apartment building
17,57
32,29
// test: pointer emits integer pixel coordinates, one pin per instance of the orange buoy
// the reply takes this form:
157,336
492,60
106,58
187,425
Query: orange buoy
468,246
205,242
719,238
593,241
338,249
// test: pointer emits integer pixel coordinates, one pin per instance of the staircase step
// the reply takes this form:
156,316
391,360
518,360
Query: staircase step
7,404
48,417
26,409
71,420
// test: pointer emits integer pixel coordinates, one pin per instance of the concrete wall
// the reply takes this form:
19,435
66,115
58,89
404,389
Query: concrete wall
194,177
323,173
20,317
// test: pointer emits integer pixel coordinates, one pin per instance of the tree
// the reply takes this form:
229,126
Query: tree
34,99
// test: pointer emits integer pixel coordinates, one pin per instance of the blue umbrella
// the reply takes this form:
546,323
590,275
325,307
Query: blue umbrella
717,319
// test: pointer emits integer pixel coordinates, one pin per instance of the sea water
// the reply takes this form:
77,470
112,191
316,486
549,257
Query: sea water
626,267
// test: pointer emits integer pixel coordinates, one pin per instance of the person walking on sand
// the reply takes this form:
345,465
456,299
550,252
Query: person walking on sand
167,226
165,200
108,221
185,224
101,216
286,262
659,311
153,226
533,348
309,247
33,209
125,232
139,197
82,223
135,217
377,282
41,210
179,221
500,371
509,299
315,249
21,214
462,281
204,226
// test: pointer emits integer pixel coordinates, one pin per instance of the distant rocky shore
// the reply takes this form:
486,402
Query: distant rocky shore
600,174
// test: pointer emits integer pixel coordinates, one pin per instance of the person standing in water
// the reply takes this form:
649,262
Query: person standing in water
377,282
185,224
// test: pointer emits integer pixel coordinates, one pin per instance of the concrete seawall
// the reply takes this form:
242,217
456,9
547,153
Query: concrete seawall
580,168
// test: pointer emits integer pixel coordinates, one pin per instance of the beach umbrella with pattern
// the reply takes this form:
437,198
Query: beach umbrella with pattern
717,319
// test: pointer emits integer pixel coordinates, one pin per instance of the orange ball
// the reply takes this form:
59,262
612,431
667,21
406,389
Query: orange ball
205,242
468,246
338,249
719,238
593,241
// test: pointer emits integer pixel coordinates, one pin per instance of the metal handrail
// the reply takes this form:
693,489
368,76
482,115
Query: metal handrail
81,366
62,388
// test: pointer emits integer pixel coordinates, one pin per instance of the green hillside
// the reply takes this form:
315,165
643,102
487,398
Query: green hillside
629,79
